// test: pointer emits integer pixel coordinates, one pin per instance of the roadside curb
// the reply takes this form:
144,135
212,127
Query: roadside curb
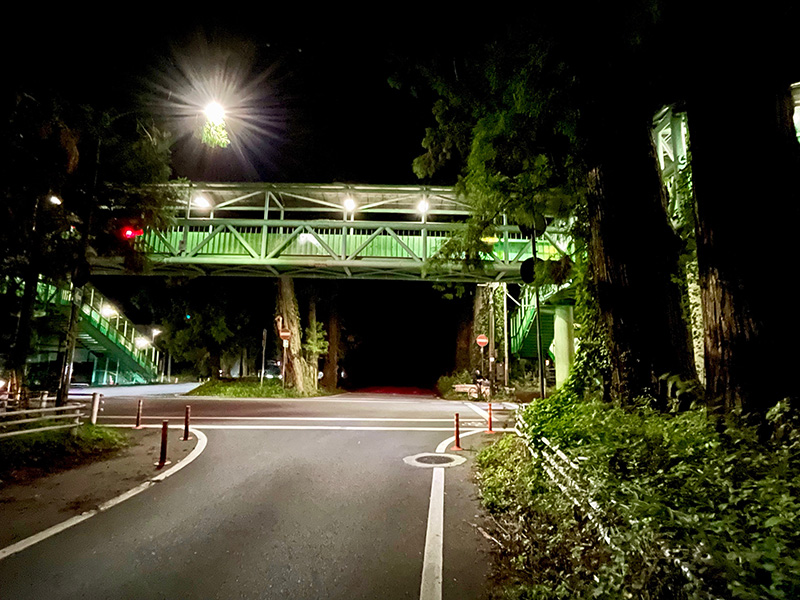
202,441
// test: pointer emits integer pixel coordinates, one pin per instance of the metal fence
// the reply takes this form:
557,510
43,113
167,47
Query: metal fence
31,420
566,474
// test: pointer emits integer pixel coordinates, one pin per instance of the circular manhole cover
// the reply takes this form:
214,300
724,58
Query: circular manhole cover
429,460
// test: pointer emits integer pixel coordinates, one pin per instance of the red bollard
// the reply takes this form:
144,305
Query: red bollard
186,436
163,460
138,416
490,430
457,445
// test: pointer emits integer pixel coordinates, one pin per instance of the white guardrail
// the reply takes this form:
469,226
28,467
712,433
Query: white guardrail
22,421
565,474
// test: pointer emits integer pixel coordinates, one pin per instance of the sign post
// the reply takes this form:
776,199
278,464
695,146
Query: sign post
263,355
482,341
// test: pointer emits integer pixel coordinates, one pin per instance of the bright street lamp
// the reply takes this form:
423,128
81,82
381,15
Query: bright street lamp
215,113
214,133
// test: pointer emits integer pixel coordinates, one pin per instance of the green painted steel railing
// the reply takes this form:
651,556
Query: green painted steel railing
109,327
521,320
306,248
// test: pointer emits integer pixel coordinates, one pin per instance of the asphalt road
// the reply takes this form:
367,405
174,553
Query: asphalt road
291,499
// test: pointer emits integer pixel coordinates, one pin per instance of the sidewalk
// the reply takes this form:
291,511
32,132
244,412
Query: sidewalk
28,508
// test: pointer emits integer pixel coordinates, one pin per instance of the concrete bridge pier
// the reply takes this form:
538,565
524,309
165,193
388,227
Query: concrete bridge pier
564,341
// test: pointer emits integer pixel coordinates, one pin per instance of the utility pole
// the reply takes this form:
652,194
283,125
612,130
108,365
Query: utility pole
492,350
533,231
505,334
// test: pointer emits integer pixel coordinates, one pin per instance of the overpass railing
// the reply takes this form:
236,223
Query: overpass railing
106,319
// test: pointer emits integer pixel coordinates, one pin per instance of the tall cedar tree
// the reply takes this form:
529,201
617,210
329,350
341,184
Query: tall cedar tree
557,109
746,171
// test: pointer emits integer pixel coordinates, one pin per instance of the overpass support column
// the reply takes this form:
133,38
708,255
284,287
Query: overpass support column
564,342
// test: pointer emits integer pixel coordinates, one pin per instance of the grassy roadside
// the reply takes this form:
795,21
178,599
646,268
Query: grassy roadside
27,456
249,388
721,500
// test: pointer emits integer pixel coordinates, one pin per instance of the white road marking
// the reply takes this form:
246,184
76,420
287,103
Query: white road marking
431,586
478,410
321,428
335,428
202,440
367,399
197,418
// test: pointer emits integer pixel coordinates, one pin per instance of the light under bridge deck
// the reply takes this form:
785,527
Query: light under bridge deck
330,232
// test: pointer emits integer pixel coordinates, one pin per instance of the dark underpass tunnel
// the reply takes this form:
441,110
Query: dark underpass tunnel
400,334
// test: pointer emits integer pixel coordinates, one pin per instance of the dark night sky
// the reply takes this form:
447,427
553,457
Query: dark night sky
325,102
328,112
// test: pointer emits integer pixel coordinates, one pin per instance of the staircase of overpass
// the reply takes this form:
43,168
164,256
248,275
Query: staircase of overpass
121,352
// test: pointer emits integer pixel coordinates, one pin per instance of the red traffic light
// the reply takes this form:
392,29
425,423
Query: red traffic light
129,233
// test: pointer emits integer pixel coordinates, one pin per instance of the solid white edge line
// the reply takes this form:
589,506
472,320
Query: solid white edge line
312,428
202,440
365,419
442,447
373,400
432,562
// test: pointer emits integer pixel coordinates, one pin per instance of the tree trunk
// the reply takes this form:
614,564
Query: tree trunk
297,369
480,325
330,373
464,338
214,362
22,340
313,359
634,258
746,330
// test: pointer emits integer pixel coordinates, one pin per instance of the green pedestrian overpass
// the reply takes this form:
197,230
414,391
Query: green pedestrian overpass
340,231
328,231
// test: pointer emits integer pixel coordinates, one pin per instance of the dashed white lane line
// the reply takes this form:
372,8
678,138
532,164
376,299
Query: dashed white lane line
202,440
431,585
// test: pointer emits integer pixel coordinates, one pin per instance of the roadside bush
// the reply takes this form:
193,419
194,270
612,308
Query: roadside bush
47,451
248,388
712,495
445,384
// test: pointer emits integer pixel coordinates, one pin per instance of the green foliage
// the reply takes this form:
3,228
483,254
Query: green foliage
445,383
548,549
714,494
58,449
247,388
215,135
314,342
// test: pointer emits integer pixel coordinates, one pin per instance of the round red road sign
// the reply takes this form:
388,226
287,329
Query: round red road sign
285,334
482,340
